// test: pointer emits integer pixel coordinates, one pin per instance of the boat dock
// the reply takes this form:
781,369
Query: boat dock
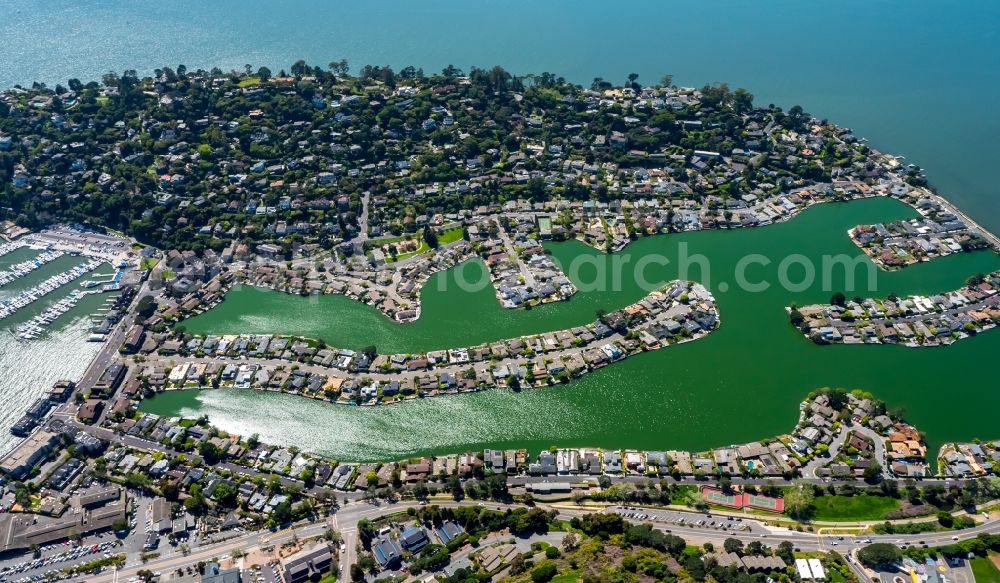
27,297
115,283
98,280
10,247
17,271
36,326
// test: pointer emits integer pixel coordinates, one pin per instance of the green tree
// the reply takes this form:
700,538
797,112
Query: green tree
742,100
225,494
420,491
22,497
544,573
146,306
786,550
366,531
209,452
880,555
195,502
873,473
430,237
796,316
282,512
975,279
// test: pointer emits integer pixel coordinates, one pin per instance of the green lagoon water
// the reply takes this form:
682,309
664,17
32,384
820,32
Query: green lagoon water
918,77
742,382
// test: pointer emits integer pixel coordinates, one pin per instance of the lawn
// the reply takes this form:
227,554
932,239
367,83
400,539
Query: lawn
985,571
567,577
447,236
423,248
852,507
249,81
834,576
450,236
685,494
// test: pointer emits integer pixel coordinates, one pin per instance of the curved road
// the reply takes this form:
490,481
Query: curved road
346,520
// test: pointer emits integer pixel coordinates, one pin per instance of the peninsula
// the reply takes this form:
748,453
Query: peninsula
912,321
678,312
316,181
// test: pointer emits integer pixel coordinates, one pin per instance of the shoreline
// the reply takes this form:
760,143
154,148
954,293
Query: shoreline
241,278
811,450
673,314
438,394
912,321
692,183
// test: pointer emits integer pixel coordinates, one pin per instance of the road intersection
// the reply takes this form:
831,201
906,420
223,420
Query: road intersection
695,527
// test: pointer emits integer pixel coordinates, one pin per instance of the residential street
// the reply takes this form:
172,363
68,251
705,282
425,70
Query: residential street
747,529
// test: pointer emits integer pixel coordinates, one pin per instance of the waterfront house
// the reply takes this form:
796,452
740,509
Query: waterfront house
545,465
612,463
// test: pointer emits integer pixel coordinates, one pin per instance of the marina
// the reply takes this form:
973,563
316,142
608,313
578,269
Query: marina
64,317
27,297
6,248
16,272
36,326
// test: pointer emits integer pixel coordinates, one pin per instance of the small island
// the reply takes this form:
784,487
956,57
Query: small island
912,321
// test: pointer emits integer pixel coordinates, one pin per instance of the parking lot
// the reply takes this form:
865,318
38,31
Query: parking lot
108,247
953,571
266,574
55,558
141,525
688,519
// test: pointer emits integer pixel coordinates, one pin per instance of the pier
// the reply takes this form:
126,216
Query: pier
27,297
36,326
10,247
16,272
